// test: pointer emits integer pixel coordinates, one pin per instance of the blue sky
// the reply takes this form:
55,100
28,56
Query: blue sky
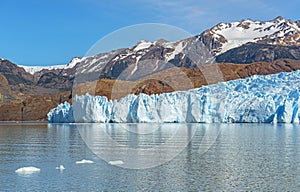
49,32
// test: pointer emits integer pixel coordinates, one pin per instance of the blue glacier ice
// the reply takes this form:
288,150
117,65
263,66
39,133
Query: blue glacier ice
257,99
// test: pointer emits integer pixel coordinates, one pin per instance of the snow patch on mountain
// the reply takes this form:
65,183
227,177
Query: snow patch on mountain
73,62
142,45
178,49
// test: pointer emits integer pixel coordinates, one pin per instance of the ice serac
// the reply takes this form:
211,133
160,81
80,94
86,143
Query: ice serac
258,99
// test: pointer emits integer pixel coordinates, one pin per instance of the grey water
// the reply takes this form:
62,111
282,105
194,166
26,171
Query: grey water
155,157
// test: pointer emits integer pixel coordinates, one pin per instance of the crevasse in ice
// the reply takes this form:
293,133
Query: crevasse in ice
263,99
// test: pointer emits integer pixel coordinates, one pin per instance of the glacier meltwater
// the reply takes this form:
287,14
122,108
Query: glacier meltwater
257,99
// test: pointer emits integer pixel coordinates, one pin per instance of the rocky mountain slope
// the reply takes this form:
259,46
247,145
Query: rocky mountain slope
257,52
14,74
17,84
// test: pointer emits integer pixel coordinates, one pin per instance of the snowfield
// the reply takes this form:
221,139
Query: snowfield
257,99
34,69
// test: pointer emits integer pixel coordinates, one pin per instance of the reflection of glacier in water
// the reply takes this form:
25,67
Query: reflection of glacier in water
263,99
140,146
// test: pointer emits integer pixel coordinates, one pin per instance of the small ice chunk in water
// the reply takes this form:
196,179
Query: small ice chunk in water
118,162
61,167
83,161
27,170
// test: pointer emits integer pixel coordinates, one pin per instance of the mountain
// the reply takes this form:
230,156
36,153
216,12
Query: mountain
240,42
226,36
233,50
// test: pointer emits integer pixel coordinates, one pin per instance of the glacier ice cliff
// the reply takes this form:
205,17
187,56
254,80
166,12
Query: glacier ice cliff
257,99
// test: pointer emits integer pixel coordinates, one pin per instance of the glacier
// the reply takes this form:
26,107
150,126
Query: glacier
257,99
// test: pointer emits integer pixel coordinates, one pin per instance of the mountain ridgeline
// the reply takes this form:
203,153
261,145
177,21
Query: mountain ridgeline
241,42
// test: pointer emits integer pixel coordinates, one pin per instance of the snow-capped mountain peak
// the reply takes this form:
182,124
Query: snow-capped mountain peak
277,31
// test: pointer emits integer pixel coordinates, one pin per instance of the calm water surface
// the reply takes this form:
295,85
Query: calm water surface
255,157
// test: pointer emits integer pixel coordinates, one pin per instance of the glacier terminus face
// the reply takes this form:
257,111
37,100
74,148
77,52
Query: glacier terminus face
257,99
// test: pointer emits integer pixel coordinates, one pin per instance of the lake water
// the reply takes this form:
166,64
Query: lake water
155,157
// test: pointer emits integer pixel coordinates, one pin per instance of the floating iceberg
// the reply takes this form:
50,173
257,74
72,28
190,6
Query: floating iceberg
257,99
84,161
61,167
118,162
27,170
